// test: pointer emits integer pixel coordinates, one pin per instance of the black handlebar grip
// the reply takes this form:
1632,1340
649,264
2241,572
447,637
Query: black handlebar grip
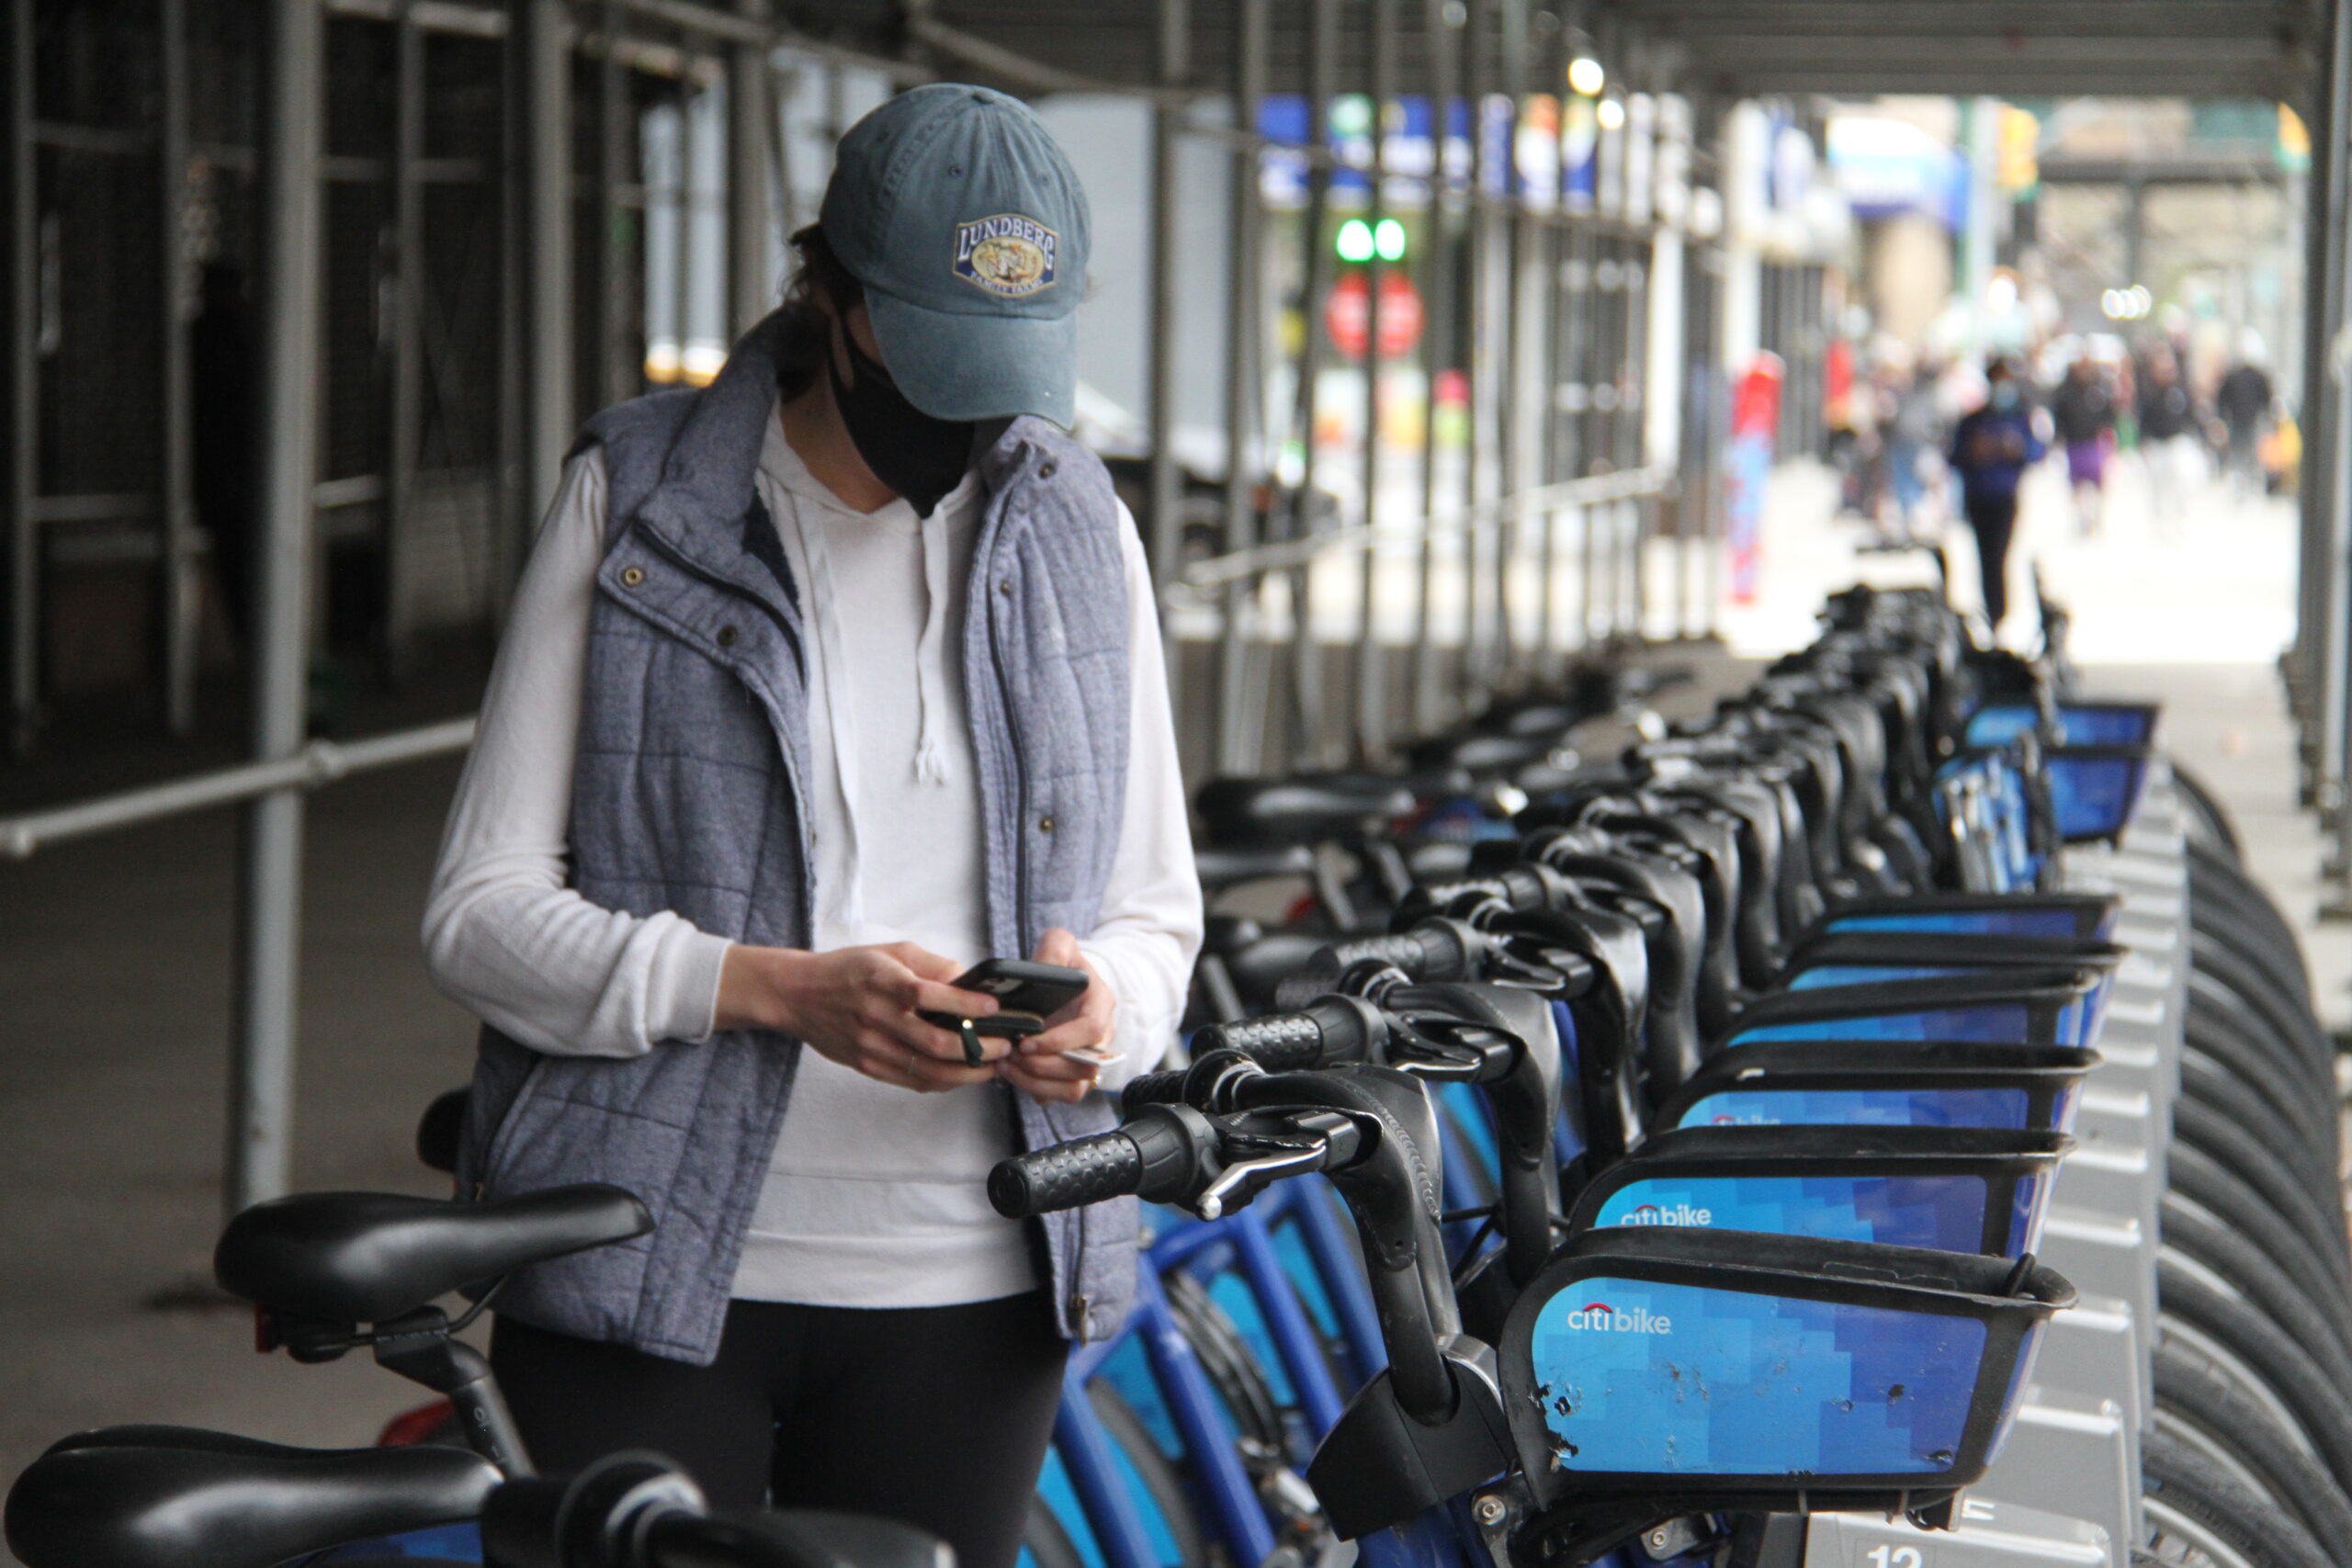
1280,1042
1068,1176
1155,1089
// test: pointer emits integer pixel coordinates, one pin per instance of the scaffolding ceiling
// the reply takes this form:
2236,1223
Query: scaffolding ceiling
2235,49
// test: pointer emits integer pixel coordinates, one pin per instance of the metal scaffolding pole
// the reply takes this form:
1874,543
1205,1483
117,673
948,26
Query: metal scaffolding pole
1238,751
21,476
1511,409
618,373
1174,47
176,483
408,341
1372,737
269,909
2336,720
749,214
542,49
1479,353
1437,337
1568,408
1306,664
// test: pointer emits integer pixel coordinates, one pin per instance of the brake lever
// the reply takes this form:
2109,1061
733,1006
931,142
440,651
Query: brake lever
1258,1173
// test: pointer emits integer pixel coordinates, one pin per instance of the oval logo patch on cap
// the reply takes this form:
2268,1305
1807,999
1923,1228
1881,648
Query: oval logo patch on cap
1009,255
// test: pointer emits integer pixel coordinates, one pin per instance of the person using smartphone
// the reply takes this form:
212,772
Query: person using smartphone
825,683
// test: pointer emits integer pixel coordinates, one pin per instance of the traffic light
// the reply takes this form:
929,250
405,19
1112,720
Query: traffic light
1360,242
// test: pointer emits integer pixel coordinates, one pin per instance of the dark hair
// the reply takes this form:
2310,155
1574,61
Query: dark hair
819,280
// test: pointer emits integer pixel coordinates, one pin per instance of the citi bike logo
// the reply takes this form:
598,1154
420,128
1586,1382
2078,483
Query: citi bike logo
1602,1318
1682,1213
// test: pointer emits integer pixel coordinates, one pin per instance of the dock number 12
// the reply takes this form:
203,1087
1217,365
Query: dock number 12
1895,1557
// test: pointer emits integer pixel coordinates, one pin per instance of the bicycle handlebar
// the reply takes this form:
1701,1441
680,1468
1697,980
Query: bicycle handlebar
1156,1155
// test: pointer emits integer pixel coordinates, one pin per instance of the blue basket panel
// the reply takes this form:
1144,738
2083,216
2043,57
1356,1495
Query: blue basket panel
1991,1024
1942,1212
2000,1108
1641,1377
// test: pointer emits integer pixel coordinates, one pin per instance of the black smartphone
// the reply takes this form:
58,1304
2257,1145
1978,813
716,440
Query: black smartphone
1026,995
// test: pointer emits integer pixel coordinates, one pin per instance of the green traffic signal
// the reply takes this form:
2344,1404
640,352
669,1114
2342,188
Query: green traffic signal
1360,242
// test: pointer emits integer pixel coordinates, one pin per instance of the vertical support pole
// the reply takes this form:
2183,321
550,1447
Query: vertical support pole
269,903
176,484
1243,387
2325,189
1437,337
1568,413
19,474
750,213
408,339
618,373
1306,662
1371,674
541,40
2335,710
1510,412
1479,349
1166,244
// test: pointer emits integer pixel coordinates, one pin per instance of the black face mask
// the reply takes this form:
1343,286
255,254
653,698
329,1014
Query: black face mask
921,458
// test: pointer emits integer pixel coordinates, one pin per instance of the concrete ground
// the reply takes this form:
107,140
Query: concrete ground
113,987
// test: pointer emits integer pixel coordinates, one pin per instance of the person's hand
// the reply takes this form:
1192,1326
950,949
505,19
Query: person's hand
857,1005
1039,1068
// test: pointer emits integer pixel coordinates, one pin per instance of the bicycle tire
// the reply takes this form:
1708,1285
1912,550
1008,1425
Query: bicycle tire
2261,960
2289,1015
2217,1007
2194,1389
2228,915
2222,1034
2201,1127
2285,1368
2190,1499
2207,1238
2259,1105
2196,1175
1044,1543
2206,812
1165,1484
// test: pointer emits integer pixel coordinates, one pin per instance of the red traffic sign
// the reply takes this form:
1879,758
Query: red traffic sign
1346,315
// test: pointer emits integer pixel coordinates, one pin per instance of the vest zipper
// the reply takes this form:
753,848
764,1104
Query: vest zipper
1020,781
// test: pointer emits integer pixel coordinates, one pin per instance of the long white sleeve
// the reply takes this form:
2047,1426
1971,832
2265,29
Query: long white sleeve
1149,930
503,936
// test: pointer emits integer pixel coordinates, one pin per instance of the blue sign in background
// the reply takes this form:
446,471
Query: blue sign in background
1643,1378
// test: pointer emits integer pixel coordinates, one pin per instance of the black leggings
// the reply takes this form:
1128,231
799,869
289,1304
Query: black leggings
938,1417
1994,518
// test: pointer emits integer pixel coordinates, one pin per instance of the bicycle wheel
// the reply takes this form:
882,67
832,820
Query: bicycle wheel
2201,1127
2286,1369
2193,1389
2259,1105
2197,1512
2188,1227
1044,1543
2197,1176
2209,820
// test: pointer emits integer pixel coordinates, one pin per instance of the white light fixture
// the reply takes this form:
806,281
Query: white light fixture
1586,76
1610,113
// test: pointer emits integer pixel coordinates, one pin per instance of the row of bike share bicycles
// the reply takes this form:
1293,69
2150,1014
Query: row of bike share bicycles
1876,1124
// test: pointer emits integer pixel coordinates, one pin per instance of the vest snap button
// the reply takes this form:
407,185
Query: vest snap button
1081,1316
631,576
727,636
1045,824
1045,470
1005,587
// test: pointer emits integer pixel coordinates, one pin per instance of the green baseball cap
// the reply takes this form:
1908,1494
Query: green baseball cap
956,209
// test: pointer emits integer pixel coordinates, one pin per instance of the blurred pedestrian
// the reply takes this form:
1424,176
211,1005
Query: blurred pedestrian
1915,431
2244,401
2083,414
1991,449
2168,440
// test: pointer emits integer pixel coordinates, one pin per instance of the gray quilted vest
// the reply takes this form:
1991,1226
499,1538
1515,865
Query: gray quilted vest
688,795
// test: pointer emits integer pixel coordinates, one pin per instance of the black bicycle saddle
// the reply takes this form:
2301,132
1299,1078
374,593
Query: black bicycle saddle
179,1497
371,1257
1297,811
